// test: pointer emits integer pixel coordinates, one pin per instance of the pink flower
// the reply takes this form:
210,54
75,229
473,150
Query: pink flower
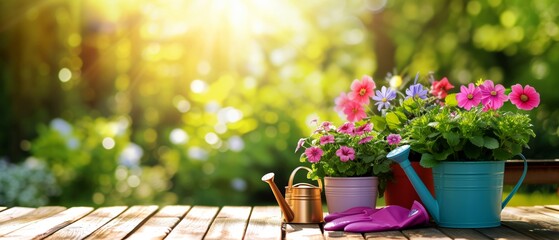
345,153
525,99
326,139
440,88
362,90
313,154
341,101
300,144
364,129
347,128
354,111
326,125
492,97
393,139
469,96
365,140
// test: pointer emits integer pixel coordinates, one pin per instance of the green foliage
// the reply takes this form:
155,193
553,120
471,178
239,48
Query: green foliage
166,69
455,134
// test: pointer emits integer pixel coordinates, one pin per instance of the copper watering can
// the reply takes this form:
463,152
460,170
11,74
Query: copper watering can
302,203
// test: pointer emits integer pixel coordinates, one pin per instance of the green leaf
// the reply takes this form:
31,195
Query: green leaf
472,151
452,138
441,156
450,100
428,161
379,123
477,140
501,154
490,143
392,120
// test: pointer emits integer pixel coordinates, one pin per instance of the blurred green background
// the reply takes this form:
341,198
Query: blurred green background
191,101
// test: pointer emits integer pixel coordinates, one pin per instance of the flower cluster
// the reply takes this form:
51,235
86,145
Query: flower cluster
346,151
471,125
493,96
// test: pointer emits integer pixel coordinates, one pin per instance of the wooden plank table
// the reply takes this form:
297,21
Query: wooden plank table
238,222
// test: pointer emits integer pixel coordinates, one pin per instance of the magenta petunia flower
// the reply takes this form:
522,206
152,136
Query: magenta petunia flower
365,140
326,125
524,98
354,111
314,154
492,96
326,139
345,153
341,101
364,129
469,96
393,139
362,90
347,128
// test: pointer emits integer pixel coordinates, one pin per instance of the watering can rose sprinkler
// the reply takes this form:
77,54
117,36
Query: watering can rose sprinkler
468,193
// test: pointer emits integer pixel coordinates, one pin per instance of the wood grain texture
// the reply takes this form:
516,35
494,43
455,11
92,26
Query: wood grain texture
46,226
531,215
336,235
502,233
425,233
88,224
14,212
195,224
161,224
29,218
460,233
124,224
386,235
554,207
264,223
303,231
531,230
229,224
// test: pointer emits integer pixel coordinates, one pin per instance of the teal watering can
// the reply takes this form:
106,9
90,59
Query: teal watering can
468,194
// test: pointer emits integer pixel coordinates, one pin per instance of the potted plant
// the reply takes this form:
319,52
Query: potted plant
391,109
352,160
465,140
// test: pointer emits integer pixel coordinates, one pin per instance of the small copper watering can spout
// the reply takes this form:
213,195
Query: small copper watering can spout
287,212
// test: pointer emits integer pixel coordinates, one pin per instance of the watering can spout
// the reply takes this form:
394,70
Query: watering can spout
400,155
287,212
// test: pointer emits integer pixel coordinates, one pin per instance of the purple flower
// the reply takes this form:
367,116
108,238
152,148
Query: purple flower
393,139
416,91
345,153
314,154
383,97
326,139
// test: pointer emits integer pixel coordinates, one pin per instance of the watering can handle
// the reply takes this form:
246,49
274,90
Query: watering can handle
504,204
290,184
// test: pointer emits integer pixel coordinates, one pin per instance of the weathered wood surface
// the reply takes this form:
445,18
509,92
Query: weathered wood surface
239,222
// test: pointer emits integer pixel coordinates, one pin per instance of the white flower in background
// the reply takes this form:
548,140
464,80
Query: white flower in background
61,126
178,136
236,143
131,155
197,153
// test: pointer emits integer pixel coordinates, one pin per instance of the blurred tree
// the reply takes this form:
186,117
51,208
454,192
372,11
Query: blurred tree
215,94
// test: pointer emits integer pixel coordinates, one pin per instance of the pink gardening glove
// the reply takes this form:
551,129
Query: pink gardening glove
390,218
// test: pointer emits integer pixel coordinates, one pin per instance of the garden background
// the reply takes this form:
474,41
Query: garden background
107,102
